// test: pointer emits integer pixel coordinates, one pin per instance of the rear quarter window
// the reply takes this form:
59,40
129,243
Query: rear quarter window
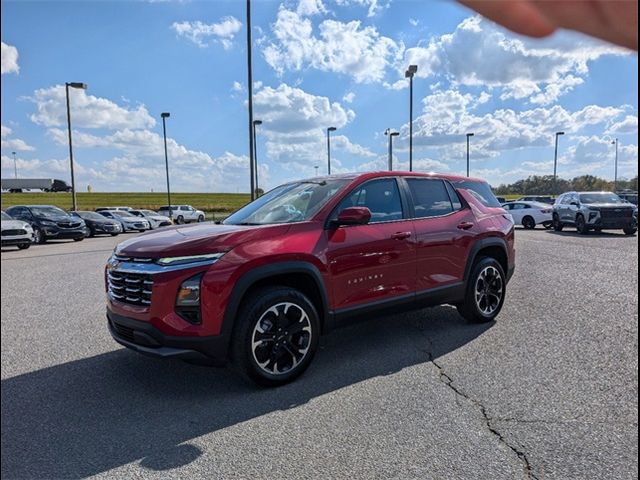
480,190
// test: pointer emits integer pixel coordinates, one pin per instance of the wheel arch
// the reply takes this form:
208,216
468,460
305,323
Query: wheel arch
493,247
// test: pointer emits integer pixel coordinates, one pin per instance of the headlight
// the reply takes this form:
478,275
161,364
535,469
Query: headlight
48,222
210,258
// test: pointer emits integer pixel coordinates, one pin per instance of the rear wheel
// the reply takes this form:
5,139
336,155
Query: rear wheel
180,220
557,224
114,234
528,222
24,246
78,239
485,291
201,218
39,236
276,336
630,230
581,225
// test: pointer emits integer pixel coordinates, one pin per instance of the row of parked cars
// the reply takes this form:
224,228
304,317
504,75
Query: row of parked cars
23,225
586,211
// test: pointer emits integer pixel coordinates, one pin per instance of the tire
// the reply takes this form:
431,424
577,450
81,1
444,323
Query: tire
180,220
598,229
258,319
547,225
581,225
142,231
114,234
78,239
630,230
485,291
528,222
92,232
201,219
24,246
38,236
557,224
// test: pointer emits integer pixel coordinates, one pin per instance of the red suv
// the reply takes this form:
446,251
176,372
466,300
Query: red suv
260,288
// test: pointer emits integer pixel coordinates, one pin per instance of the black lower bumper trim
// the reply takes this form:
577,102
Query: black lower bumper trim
21,241
144,338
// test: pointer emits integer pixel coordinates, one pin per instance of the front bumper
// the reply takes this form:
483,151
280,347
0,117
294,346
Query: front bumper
16,240
144,338
64,234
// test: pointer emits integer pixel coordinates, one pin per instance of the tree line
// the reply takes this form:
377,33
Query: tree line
543,185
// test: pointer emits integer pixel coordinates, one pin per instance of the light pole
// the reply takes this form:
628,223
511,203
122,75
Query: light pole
255,153
411,71
615,172
469,135
250,102
391,134
316,167
164,116
329,130
15,165
555,163
82,86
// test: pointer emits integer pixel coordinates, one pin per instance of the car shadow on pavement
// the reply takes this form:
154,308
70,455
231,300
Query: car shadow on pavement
603,234
91,415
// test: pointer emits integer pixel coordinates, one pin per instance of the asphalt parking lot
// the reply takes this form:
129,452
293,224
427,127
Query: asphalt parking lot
548,391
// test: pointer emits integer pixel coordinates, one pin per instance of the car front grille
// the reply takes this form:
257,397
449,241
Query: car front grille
8,233
606,214
68,224
132,288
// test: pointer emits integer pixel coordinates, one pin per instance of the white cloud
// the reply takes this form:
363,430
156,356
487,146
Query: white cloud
348,97
237,87
202,34
5,131
15,144
346,48
310,7
414,22
9,59
87,111
373,7
627,125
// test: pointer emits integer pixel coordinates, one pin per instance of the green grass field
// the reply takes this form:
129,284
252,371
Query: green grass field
212,203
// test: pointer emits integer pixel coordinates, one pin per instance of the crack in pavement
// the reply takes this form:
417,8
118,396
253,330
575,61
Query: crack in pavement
448,381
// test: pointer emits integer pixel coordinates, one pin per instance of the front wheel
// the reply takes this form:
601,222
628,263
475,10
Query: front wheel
528,223
24,246
630,230
581,225
276,336
78,239
39,236
557,224
200,218
485,292
114,234
180,220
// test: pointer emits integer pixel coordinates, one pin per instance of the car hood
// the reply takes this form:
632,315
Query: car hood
14,224
199,239
59,218
159,218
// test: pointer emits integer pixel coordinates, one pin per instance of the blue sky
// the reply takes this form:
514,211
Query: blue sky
317,63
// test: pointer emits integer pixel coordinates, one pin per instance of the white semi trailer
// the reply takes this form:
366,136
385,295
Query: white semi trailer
16,185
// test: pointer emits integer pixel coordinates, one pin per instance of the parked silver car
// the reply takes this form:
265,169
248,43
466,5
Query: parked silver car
16,232
594,211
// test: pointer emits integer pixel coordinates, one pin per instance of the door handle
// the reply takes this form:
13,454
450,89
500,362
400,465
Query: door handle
465,225
401,235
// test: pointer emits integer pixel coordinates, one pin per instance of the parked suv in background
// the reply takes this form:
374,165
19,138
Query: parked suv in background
155,219
15,232
594,211
128,221
182,213
261,288
49,222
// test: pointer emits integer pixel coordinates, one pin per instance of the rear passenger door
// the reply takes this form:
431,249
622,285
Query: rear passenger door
443,232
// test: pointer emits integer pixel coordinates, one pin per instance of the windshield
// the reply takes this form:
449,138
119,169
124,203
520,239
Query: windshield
290,203
48,212
123,213
148,213
600,197
90,215
6,216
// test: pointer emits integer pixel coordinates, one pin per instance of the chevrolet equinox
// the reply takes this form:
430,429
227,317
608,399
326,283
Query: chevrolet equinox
260,288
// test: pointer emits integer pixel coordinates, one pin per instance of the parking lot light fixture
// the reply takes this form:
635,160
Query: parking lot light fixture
164,116
391,134
15,165
469,135
615,171
81,86
555,164
329,130
410,72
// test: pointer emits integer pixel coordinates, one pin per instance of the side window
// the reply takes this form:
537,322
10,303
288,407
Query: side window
508,206
518,206
382,197
430,197
453,195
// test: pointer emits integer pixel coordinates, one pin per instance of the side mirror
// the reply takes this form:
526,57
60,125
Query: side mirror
353,216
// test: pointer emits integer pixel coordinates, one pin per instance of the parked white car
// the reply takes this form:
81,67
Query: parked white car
182,213
530,214
128,221
16,232
155,219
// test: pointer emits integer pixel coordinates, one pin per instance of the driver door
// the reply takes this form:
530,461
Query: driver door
376,262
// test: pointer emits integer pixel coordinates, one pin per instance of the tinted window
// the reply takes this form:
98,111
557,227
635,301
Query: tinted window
480,190
453,195
430,197
382,197
518,206
600,197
